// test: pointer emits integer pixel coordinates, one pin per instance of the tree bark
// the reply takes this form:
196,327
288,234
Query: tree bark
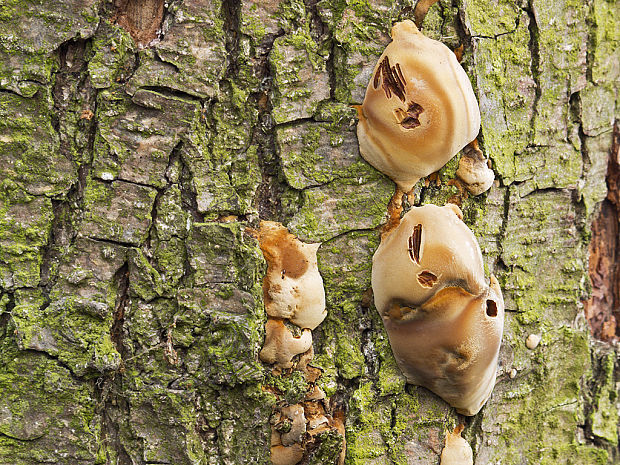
142,141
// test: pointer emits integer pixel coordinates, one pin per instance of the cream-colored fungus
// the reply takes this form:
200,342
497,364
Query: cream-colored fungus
419,109
443,320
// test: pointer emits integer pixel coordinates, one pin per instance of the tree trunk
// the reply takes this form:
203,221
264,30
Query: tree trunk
141,143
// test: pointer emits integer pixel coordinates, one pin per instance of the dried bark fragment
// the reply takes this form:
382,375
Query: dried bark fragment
141,18
603,308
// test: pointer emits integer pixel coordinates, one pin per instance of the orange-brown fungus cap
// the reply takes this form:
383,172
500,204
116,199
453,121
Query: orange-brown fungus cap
293,287
419,109
443,321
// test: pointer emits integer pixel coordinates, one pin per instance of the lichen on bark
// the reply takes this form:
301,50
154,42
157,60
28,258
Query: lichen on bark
131,309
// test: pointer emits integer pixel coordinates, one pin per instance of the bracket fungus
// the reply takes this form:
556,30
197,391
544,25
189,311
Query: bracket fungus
419,109
293,288
444,322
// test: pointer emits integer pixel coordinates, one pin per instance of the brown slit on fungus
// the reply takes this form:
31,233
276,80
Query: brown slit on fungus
445,337
427,279
457,450
292,287
441,115
415,242
491,308
474,170
391,78
409,119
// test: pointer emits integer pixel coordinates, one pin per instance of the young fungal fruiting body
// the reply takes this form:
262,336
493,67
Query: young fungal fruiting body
419,109
457,450
281,345
474,171
443,320
292,290
293,287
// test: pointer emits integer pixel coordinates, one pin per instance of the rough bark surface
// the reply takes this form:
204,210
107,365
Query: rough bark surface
139,140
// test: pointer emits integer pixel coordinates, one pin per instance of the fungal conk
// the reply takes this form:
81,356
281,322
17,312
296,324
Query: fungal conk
293,288
443,320
419,109
474,170
281,345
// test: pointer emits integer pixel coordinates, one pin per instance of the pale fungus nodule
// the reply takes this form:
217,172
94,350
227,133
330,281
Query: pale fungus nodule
532,341
293,288
281,345
295,414
443,320
474,170
419,109
457,450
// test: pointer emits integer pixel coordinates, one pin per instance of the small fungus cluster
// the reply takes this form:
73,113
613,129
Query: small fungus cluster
474,170
457,450
295,304
293,293
443,320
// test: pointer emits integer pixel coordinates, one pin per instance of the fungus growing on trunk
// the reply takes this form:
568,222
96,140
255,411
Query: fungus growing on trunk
293,287
457,450
443,320
474,170
419,109
281,345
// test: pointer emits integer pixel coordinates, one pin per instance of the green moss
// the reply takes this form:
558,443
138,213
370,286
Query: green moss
506,125
25,225
490,20
31,145
300,76
350,360
144,280
253,25
328,380
546,405
113,55
106,202
330,447
546,257
333,209
604,416
606,40
366,416
292,387
42,405
391,381
379,427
